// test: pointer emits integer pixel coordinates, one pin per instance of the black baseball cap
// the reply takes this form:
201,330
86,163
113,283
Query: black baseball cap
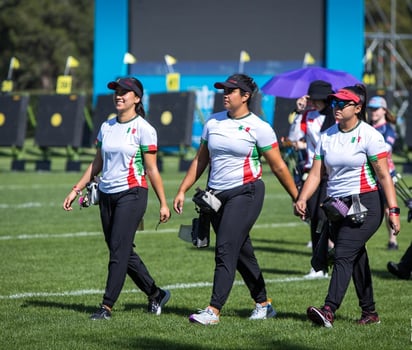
127,84
233,82
319,90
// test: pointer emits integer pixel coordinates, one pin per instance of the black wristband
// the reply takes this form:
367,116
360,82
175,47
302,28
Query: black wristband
394,210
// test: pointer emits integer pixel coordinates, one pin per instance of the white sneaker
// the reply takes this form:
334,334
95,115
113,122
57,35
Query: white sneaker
316,274
309,245
206,317
262,312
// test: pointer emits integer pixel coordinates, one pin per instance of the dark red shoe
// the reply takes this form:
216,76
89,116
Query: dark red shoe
322,317
369,317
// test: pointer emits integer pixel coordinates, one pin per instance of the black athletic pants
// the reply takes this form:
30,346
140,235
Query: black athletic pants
120,215
351,257
241,207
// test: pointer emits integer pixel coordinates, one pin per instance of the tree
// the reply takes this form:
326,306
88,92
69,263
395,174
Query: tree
42,34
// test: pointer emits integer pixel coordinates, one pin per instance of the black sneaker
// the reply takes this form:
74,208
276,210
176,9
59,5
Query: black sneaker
155,305
322,317
396,270
103,313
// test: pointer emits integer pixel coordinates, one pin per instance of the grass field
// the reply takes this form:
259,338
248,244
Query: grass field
54,268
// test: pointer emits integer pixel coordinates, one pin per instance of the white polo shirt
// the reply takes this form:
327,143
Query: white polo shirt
347,157
122,147
235,147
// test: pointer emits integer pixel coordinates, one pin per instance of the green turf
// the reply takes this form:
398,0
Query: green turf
54,268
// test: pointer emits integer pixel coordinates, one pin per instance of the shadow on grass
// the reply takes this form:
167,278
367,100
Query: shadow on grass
296,316
193,341
301,316
283,272
145,342
276,241
64,306
277,246
281,250
386,275
90,309
180,311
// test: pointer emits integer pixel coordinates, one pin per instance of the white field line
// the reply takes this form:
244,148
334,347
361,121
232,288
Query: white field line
29,205
29,186
170,287
89,234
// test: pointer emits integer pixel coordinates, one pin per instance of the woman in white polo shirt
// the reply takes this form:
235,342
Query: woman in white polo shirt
232,144
353,154
126,154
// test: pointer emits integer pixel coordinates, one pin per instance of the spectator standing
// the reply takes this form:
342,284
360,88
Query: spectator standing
382,120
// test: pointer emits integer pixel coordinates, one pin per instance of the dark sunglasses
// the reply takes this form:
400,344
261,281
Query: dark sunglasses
339,104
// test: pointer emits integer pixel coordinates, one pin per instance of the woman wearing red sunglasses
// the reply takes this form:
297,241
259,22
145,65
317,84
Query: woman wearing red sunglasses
353,155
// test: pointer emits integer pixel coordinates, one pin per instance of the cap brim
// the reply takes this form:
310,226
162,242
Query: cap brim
113,85
345,95
340,96
318,97
225,85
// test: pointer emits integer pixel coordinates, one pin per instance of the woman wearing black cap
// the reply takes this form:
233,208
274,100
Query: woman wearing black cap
126,153
231,145
313,122
353,154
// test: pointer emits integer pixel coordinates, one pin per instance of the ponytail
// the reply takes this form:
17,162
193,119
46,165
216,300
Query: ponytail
139,106
360,91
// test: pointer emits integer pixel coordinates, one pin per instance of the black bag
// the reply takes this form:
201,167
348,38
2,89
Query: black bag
335,209
206,201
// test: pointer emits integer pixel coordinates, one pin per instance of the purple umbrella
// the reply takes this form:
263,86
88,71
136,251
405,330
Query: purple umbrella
295,83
